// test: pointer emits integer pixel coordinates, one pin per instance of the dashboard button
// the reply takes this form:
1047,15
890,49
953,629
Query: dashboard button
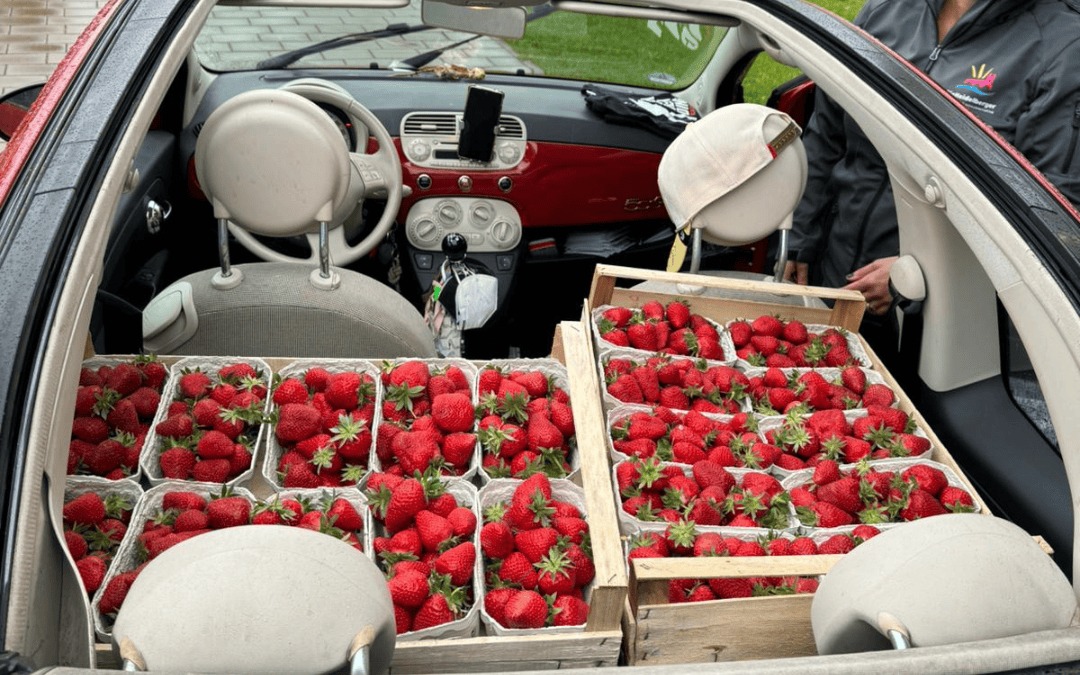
424,261
504,262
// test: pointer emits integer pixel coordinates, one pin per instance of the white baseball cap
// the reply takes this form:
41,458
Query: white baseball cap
720,152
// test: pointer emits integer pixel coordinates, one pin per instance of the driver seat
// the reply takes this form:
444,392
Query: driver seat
272,163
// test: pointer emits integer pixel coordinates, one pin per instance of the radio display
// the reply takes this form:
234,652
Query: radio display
446,154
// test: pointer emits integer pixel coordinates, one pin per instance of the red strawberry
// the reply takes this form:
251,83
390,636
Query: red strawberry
457,563
767,325
957,500
297,421
877,395
516,569
92,571
86,509
290,390
921,504
344,515
536,543
182,500
496,540
90,429
212,470
228,512
195,384
526,609
453,412
408,589
435,611
177,463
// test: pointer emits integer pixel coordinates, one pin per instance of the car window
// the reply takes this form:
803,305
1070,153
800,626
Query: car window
1021,383
640,52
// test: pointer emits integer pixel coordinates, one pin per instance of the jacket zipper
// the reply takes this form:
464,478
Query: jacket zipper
1075,137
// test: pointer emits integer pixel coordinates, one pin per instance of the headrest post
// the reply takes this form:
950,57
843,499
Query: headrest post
695,251
223,246
781,255
324,249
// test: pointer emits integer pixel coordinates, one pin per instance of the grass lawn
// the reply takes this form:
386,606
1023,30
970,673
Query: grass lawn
608,49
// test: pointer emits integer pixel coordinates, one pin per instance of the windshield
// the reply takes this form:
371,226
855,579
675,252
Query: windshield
640,52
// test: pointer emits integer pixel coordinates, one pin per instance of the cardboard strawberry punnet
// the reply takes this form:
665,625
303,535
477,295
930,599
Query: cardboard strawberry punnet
526,419
96,515
322,423
878,493
115,403
678,383
424,537
157,523
656,328
875,433
211,423
688,437
538,570
428,417
706,494
772,340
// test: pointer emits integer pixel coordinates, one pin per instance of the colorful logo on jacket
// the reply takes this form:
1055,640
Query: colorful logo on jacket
981,80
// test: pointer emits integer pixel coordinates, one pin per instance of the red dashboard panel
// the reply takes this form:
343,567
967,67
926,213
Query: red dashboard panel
557,185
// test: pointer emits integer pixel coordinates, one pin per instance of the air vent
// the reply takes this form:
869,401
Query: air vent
431,124
510,127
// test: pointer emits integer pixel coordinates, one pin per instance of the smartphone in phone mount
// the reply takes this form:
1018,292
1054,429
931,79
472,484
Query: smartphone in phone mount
483,106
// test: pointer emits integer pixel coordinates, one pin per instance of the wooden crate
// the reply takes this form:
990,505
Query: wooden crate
847,312
719,630
748,628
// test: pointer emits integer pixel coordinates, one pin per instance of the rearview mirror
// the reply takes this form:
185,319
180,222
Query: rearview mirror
502,22
14,106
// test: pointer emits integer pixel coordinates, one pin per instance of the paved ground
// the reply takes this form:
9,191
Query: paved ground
35,34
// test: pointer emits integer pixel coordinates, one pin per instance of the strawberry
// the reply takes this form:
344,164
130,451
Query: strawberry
90,429
86,509
176,426
214,445
297,421
836,544
194,384
316,379
921,504
435,611
929,478
408,589
496,540
457,563
795,332
854,378
211,470
876,395
526,609
462,521
191,520
536,543
642,336
517,570
92,572
228,512
405,502
453,412
124,379
344,515
182,500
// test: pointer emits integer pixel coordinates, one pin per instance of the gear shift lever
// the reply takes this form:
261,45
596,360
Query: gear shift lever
455,246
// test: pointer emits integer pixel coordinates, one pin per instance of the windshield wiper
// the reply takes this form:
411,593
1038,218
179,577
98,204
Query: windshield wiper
421,60
288,58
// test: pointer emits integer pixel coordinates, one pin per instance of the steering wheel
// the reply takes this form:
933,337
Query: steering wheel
296,169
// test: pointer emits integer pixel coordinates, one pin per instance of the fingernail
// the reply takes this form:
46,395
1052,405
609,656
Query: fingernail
849,276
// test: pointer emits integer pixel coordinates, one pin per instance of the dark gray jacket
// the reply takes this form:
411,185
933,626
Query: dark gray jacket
1014,63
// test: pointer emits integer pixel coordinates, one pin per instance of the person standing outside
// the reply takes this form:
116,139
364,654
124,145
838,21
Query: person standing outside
1015,64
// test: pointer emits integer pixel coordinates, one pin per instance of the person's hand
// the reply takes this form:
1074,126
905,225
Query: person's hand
797,272
873,282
